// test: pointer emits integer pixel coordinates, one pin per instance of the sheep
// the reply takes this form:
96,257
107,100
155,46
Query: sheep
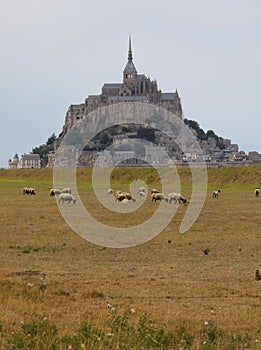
26,190
54,191
141,191
120,196
32,191
129,196
125,200
215,194
110,191
257,192
29,190
66,197
142,194
154,190
117,193
66,190
176,197
158,197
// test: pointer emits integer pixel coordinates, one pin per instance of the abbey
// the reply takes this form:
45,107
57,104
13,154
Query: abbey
133,88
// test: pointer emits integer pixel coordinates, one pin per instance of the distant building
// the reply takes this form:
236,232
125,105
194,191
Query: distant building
27,161
254,156
14,163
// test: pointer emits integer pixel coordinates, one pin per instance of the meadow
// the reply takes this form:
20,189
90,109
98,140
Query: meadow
177,291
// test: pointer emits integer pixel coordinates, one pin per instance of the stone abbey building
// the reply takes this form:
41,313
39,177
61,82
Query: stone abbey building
133,88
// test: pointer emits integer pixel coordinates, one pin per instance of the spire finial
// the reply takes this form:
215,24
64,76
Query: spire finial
130,51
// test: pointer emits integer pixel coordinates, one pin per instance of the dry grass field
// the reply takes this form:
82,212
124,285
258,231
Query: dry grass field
205,276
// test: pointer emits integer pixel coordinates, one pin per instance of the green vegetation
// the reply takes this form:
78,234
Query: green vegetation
35,249
44,149
121,333
201,135
245,177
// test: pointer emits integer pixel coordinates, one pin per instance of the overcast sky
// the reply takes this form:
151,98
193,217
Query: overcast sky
56,52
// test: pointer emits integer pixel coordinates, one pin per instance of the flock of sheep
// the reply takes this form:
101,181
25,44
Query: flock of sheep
65,195
156,196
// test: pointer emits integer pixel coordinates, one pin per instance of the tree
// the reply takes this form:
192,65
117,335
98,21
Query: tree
211,133
192,124
45,148
51,139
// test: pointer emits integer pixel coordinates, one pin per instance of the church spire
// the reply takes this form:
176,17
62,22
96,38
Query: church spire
130,51
130,71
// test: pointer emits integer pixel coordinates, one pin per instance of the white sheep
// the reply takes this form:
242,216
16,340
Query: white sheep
110,191
257,192
66,197
154,190
215,194
125,200
141,191
158,197
176,197
66,190
142,194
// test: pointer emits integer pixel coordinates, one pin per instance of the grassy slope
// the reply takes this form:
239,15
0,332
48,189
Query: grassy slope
246,176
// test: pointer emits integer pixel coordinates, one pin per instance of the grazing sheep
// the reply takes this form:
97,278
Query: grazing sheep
257,192
125,200
26,190
142,194
158,197
154,190
118,192
66,190
120,196
215,194
141,191
32,191
54,191
66,197
110,191
129,196
176,197
29,190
